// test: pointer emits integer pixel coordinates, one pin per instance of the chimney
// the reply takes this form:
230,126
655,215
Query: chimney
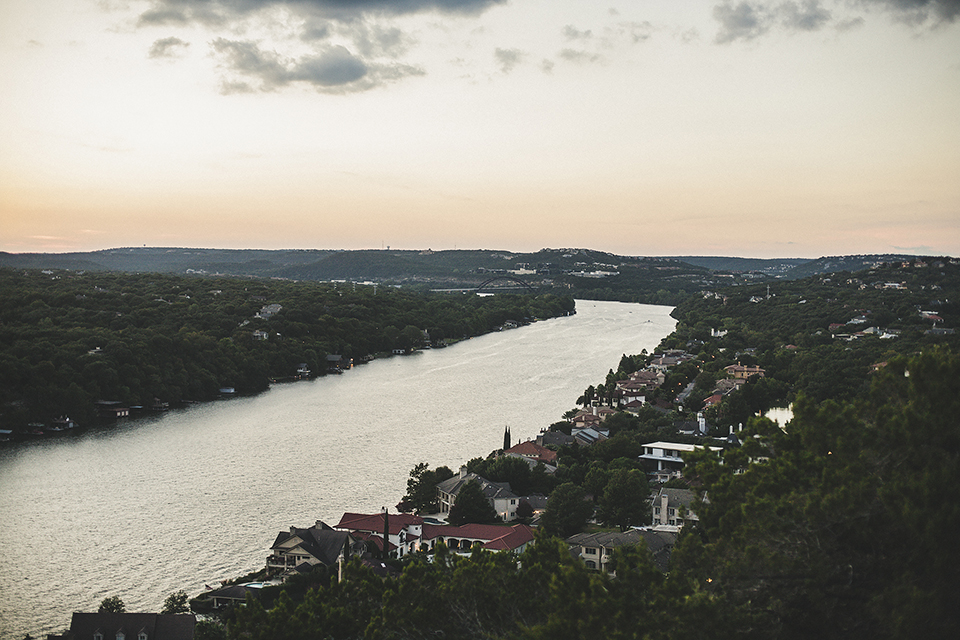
463,471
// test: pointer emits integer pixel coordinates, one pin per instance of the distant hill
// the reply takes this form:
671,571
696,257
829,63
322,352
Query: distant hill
771,266
583,273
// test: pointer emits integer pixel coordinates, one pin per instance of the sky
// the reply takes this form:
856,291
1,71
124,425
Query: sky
767,128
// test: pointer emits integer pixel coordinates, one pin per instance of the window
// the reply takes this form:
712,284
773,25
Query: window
590,551
656,511
142,635
514,501
121,636
591,564
97,635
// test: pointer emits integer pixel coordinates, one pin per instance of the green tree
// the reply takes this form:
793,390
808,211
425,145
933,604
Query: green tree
568,509
624,501
176,603
421,496
472,506
112,604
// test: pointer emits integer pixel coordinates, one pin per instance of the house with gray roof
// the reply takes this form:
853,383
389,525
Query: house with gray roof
499,494
596,549
319,544
130,626
672,508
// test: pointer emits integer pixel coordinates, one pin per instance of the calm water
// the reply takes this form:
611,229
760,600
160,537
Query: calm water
150,506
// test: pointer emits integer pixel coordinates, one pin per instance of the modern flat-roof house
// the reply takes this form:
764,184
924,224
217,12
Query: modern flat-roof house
666,459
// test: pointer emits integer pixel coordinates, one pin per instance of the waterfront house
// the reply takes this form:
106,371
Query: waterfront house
503,500
130,626
319,544
405,530
533,451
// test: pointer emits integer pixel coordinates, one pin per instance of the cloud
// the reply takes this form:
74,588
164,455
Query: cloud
508,58
333,69
572,33
744,21
219,12
580,57
920,12
167,48
809,16
747,20
353,45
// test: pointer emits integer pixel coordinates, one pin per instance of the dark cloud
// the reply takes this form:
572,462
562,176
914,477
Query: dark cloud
920,12
212,12
333,69
807,16
167,48
508,58
362,25
750,19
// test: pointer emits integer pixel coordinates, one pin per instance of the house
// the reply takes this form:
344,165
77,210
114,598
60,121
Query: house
549,438
130,626
586,418
232,595
665,458
405,530
319,544
589,435
742,372
533,451
461,539
672,509
596,549
503,500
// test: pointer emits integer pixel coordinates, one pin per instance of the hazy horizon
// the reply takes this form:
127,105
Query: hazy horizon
748,128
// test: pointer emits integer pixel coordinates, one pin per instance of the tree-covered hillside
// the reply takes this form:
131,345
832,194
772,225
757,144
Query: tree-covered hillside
69,339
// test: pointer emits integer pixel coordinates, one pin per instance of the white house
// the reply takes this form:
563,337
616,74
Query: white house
667,458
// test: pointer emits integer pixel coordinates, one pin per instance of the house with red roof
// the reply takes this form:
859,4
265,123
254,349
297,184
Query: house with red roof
493,537
532,451
403,537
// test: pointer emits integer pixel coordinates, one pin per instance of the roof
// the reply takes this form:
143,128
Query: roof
497,537
676,497
531,449
374,522
158,626
679,446
659,543
491,490
323,544
519,535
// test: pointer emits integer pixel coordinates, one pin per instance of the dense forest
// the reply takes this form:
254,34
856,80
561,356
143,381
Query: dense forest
71,339
841,525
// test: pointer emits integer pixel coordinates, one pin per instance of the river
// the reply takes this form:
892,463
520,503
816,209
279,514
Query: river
148,506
